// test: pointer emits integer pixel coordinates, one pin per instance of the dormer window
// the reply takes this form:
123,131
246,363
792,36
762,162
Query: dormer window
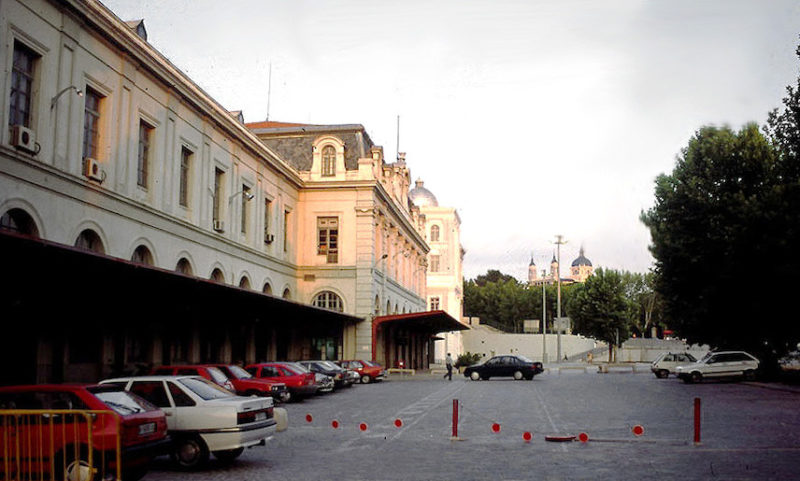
328,161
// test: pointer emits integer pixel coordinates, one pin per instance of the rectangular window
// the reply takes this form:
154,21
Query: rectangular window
328,238
435,263
183,195
217,194
142,167
267,215
21,86
285,231
434,303
245,199
91,125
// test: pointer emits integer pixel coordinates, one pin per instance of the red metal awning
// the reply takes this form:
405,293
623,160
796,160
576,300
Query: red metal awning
429,322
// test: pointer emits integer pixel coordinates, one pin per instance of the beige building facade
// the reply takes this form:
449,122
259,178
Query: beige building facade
116,167
445,280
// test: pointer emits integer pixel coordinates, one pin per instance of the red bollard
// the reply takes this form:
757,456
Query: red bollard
455,418
697,420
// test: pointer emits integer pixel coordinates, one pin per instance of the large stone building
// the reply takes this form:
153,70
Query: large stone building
142,223
445,264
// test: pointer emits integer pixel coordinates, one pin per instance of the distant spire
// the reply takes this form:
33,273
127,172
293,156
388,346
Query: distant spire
532,263
554,261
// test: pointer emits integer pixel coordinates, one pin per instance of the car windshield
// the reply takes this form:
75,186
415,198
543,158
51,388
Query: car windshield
204,388
330,365
217,376
123,403
356,364
297,368
370,363
239,373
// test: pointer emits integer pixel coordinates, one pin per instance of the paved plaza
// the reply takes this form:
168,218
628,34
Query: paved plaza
749,431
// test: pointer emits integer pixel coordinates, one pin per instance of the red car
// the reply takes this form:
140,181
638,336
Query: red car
247,385
368,370
207,371
51,437
299,381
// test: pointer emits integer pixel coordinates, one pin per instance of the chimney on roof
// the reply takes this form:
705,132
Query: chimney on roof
138,27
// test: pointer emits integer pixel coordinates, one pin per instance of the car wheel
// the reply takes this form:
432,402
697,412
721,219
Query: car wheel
749,375
190,452
76,465
662,374
228,455
697,377
365,379
474,375
517,375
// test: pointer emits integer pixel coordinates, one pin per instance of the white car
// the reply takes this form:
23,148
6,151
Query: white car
719,365
202,417
665,364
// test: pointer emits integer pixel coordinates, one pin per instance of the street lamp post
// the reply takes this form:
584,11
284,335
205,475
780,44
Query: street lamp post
559,241
544,323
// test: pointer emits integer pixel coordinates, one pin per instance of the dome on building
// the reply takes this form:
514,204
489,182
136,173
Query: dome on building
581,260
422,197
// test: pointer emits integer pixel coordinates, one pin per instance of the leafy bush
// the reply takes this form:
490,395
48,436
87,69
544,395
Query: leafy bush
467,359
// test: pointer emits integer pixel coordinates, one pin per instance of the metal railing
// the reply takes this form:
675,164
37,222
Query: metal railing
55,444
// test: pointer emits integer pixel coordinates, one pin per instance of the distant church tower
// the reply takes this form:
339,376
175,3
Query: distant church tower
554,268
533,274
581,268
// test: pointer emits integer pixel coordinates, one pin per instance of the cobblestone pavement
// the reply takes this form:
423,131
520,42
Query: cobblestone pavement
748,432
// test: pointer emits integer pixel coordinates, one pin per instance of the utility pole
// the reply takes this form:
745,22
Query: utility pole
544,324
559,240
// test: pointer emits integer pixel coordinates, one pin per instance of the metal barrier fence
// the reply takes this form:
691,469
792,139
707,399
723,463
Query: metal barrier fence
67,445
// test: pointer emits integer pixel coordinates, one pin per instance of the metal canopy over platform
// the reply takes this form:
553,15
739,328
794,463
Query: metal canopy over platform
425,323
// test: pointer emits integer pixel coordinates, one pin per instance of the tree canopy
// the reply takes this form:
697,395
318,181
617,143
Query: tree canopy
600,309
724,231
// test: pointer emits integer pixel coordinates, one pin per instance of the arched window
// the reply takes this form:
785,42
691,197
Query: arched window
267,288
142,255
244,282
329,300
328,161
388,307
218,276
287,294
184,267
435,233
90,241
19,222
377,305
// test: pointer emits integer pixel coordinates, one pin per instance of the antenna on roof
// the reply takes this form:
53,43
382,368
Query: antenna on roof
398,137
269,88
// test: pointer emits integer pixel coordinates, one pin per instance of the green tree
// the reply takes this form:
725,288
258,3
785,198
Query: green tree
724,229
599,309
644,303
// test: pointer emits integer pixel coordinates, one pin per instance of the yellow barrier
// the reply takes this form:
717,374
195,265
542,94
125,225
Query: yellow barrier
69,445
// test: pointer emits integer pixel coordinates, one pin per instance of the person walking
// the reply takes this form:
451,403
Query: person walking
448,362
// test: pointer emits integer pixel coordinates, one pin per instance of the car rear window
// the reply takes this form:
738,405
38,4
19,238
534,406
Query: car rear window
123,403
204,388
217,376
239,372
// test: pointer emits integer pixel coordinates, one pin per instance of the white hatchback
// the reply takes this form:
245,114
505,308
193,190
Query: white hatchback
665,364
719,365
204,418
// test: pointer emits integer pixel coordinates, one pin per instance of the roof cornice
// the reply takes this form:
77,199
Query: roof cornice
123,37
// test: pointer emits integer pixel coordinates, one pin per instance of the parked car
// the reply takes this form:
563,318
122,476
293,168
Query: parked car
203,417
665,364
367,370
516,366
299,381
58,440
328,368
246,385
790,363
325,383
723,364
207,371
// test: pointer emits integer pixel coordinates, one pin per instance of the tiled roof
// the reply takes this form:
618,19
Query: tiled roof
269,124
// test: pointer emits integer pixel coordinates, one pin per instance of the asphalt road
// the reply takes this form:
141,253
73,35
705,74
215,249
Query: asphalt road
747,432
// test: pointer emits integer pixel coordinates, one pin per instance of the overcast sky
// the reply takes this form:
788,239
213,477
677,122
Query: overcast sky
533,118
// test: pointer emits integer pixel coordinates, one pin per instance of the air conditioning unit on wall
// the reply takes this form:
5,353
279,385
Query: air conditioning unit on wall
219,225
23,138
93,170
